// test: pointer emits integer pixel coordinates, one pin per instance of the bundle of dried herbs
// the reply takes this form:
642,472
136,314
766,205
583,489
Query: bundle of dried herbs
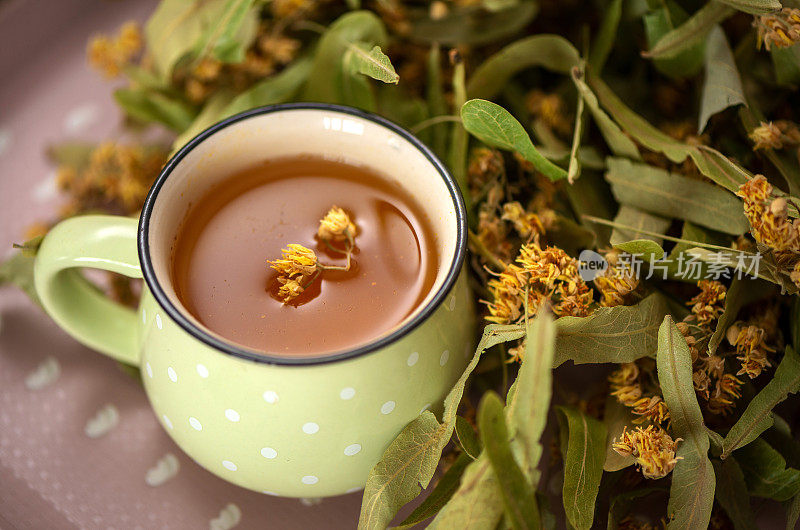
631,170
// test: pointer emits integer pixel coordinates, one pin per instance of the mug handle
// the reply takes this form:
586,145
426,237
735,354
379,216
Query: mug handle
103,242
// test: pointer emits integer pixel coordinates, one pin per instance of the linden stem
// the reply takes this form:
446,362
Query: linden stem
606,222
313,278
481,249
434,121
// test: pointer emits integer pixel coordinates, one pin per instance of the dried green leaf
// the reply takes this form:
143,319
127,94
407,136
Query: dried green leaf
722,87
373,63
477,504
754,7
765,472
692,491
662,20
616,417
495,126
150,106
435,99
213,111
757,417
638,220
18,270
657,191
619,334
794,318
719,168
233,31
710,162
583,465
793,512
606,35
177,28
529,398
278,88
619,142
459,139
767,270
691,32
636,126
731,493
574,168
781,438
408,464
552,52
474,25
648,249
440,495
330,79
518,495
697,234
467,438
786,62
715,440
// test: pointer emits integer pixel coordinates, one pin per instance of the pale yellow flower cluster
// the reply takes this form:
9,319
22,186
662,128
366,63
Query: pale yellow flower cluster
296,270
775,135
110,54
627,387
547,276
780,29
617,285
751,348
653,449
336,226
768,216
299,266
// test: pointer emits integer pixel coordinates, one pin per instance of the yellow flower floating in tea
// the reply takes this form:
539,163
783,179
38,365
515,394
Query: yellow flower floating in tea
299,266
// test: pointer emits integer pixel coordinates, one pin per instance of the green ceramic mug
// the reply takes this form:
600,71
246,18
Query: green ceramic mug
297,427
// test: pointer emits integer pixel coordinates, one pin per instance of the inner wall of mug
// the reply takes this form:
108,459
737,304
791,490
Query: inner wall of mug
291,132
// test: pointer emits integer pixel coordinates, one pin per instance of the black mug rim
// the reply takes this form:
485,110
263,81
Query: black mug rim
249,354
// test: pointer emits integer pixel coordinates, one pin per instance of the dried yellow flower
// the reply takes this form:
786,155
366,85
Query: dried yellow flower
752,351
780,29
728,389
290,8
290,288
617,285
651,408
766,136
297,260
707,306
207,69
775,231
116,178
485,165
550,109
547,276
280,49
296,270
109,54
525,223
653,449
336,226
775,135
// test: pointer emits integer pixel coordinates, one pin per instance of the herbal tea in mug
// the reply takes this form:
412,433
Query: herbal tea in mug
303,301
369,256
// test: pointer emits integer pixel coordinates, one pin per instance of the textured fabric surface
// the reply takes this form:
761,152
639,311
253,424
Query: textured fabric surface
52,475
